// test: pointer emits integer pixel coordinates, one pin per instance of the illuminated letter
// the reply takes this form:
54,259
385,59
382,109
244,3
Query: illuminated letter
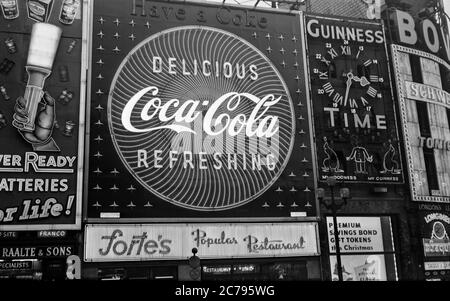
405,24
314,34
426,25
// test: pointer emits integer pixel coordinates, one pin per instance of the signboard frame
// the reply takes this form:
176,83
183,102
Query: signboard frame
394,123
401,98
116,217
388,241
77,210
187,250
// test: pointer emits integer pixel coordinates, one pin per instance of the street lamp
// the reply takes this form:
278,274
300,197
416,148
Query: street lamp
344,194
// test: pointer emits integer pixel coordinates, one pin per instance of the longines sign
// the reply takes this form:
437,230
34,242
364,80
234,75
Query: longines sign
127,242
195,117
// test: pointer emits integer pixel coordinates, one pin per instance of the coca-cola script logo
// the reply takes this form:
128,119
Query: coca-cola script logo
201,118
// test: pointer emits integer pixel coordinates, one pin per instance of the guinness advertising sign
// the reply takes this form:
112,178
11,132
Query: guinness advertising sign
352,100
197,111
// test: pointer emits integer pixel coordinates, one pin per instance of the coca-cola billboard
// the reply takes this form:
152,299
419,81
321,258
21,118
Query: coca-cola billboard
198,117
206,114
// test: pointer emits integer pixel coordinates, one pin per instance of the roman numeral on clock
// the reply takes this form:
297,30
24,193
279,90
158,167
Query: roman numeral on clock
338,98
364,101
375,79
323,75
346,50
368,63
353,103
372,92
333,53
328,89
324,60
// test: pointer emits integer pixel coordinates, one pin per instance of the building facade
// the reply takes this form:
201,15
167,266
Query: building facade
206,141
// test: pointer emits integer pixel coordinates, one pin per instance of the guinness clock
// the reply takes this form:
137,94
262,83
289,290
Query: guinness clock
357,139
349,75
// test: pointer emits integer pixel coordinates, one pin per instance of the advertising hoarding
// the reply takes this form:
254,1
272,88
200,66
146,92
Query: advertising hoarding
42,135
435,226
32,251
197,111
371,267
422,89
355,124
434,222
437,265
427,32
361,234
367,248
132,242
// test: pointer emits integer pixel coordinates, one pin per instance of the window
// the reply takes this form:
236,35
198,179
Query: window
448,118
430,163
424,121
416,69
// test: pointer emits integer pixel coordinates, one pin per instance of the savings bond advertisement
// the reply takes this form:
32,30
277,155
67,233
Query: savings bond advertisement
197,111
41,115
355,125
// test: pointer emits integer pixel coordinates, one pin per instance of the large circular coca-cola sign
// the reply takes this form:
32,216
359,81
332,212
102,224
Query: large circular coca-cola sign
201,118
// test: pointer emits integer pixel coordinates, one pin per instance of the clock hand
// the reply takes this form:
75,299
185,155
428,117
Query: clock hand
349,83
361,80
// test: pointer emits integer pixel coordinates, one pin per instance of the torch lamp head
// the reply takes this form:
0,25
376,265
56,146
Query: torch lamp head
345,193
320,193
331,181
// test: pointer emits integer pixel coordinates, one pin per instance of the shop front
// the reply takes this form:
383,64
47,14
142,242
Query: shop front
36,255
234,251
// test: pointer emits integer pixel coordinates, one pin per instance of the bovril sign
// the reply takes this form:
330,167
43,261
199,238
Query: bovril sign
130,242
425,33
205,107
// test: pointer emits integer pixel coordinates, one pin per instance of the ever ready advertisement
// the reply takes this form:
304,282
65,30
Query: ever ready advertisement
175,241
41,116
197,111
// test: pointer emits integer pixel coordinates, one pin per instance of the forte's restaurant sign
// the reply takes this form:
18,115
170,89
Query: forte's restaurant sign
197,116
125,242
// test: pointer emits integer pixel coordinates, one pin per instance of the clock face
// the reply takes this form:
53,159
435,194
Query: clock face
349,75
